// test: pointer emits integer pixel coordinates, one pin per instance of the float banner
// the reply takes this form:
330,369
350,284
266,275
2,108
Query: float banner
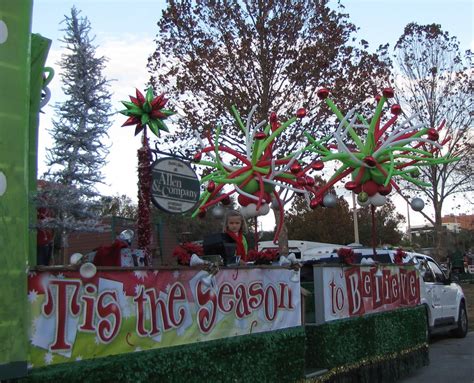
125,311
345,292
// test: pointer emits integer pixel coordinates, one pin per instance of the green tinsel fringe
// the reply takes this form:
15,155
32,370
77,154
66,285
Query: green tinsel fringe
374,348
344,342
387,368
276,356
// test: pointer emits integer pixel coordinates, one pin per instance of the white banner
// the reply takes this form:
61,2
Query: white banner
124,311
343,292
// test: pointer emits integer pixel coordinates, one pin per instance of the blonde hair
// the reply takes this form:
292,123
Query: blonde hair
235,213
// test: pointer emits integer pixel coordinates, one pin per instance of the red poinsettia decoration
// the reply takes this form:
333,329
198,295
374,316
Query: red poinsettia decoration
147,110
184,252
346,255
264,257
399,255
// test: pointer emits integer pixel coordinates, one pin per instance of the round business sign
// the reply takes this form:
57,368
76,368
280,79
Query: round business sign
175,186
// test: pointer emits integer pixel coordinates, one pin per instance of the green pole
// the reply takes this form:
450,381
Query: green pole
15,24
39,52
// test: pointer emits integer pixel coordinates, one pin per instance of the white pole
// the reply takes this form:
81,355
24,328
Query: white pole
408,219
356,223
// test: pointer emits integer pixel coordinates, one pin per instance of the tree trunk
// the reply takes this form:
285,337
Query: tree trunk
283,236
64,248
440,243
144,198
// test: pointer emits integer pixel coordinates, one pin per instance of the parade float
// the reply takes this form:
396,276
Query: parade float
206,321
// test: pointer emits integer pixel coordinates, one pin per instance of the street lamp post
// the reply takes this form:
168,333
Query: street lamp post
356,223
408,221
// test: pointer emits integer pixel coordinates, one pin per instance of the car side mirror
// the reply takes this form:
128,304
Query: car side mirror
447,279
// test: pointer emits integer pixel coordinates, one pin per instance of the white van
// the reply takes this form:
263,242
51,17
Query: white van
303,250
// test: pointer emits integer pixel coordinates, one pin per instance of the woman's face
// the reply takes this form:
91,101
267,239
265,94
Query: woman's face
234,223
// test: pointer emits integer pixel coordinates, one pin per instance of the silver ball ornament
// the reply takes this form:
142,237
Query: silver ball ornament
264,209
378,199
249,211
417,204
330,200
218,212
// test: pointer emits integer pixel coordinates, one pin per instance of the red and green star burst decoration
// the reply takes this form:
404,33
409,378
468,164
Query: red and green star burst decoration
388,151
148,111
253,171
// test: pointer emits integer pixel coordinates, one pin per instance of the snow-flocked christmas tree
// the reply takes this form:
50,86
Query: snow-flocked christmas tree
79,130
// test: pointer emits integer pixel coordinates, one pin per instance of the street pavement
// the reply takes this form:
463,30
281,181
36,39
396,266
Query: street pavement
451,360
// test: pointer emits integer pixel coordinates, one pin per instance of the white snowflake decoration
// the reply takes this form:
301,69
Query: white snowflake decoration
48,358
140,274
138,288
32,296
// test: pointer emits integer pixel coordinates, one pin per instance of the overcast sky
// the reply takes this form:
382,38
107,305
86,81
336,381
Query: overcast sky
125,32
